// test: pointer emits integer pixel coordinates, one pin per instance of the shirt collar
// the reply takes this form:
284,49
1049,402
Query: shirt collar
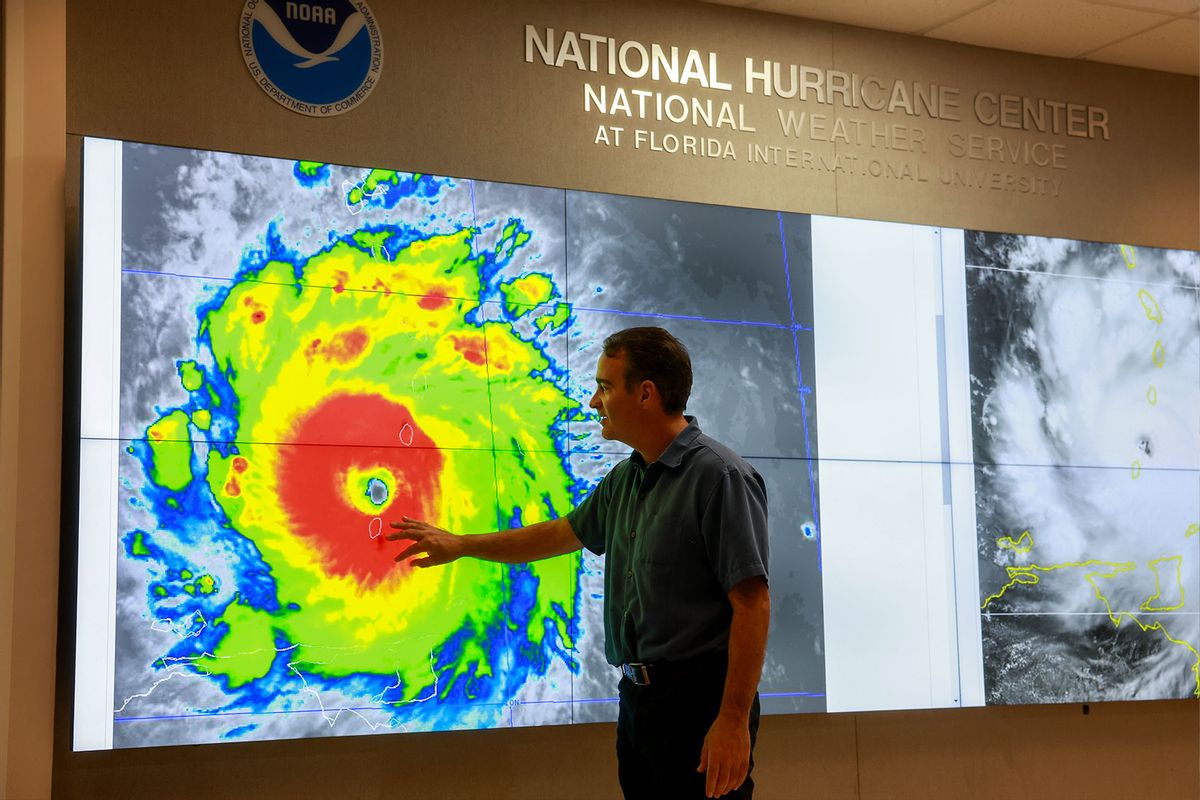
673,455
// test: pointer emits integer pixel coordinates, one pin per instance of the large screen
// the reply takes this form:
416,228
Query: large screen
1085,395
280,357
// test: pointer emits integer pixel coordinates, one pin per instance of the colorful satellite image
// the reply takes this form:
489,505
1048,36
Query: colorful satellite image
310,351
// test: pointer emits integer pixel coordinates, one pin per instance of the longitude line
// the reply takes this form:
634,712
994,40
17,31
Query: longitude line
567,464
504,577
812,484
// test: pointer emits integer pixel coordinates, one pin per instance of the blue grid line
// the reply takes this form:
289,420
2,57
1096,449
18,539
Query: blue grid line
687,317
565,456
572,306
337,710
563,702
474,215
332,710
221,278
505,584
812,484
294,284
614,452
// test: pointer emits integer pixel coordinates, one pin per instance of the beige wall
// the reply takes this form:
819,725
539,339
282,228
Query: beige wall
31,387
458,98
1033,752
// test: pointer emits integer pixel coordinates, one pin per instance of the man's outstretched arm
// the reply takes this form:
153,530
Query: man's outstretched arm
725,757
518,546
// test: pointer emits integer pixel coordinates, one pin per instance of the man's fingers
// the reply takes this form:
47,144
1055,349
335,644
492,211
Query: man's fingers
703,756
411,522
723,786
738,777
410,535
409,528
415,550
723,782
723,776
436,545
712,775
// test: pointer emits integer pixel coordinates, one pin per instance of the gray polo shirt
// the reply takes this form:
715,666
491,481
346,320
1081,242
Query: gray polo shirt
677,535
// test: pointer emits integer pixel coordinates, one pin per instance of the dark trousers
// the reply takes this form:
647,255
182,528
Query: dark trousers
661,729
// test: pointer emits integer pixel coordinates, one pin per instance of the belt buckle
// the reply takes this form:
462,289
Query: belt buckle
637,672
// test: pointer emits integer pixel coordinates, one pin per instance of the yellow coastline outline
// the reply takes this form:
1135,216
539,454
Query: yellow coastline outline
1129,253
1007,543
1150,306
1147,604
1029,576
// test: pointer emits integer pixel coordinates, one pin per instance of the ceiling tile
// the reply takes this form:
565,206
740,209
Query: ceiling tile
1058,28
1174,47
905,16
1177,8
1136,33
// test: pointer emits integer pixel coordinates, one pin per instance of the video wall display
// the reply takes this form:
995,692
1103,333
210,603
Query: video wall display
302,353
281,357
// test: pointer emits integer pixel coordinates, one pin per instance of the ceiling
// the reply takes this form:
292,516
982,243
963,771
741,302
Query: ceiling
1150,34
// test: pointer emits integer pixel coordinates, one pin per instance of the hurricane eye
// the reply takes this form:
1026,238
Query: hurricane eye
377,491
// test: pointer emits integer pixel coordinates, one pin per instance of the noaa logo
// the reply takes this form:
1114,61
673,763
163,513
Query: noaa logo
320,59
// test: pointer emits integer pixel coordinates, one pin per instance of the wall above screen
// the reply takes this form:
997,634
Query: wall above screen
874,125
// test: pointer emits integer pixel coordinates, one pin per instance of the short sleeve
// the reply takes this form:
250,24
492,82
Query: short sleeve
587,519
734,527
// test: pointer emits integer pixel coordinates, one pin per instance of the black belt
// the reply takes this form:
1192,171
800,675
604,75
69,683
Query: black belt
642,673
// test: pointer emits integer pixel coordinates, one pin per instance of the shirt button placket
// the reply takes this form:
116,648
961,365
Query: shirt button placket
632,537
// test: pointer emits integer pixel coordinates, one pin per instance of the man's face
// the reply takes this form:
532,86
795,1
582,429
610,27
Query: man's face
617,405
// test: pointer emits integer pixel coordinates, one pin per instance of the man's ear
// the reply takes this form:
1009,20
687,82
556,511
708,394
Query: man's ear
647,392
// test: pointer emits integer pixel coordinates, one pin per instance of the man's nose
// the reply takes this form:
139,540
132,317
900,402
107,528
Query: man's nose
595,401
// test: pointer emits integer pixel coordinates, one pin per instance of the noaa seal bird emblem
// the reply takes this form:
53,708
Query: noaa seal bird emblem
266,16
319,58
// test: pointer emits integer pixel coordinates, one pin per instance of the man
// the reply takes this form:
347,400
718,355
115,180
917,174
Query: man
682,524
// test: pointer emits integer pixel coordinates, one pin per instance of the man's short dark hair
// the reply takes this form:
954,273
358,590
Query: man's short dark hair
653,354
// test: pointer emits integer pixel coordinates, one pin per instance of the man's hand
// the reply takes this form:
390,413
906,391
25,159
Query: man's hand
439,546
725,756
539,540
